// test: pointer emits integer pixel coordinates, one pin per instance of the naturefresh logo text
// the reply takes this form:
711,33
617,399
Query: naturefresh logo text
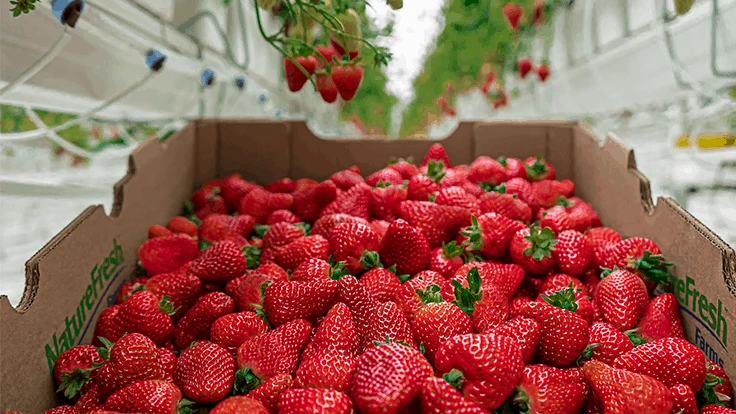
77,323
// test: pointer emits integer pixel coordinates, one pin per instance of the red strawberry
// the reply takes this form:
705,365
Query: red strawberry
346,179
269,392
295,78
606,343
525,331
182,290
408,299
197,321
205,372
336,334
317,269
437,321
564,333
360,302
505,204
486,305
513,13
622,299
91,400
284,185
387,323
571,299
533,249
132,358
641,256
404,167
167,357
314,401
439,397
560,281
215,205
684,400
356,201
439,224
347,78
523,66
406,247
128,288
293,254
326,88
259,203
182,225
380,227
621,391
248,293
107,327
544,389
458,197
543,71
421,186
166,254
572,253
487,171
286,301
74,367
281,234
149,396
662,319
600,237
505,277
147,314
446,259
216,227
63,409
485,368
387,378
233,190
158,230
324,225
385,202
327,53
716,409
437,153
273,353
230,331
310,201
490,234
382,284
717,388
356,245
515,168
386,176
537,169
219,263
325,369
240,404
670,360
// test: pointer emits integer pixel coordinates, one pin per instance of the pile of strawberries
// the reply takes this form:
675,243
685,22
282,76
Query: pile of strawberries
432,289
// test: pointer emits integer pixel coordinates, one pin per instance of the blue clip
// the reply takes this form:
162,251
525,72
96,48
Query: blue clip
67,11
262,98
208,77
240,82
155,60
278,114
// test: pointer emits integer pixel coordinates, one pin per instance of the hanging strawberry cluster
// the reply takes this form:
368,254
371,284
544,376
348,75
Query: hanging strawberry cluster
333,69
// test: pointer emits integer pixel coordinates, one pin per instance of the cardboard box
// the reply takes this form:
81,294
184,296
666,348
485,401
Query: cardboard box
76,275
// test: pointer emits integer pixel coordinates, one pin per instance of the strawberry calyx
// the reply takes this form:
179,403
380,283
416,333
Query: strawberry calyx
471,257
564,299
587,354
395,160
709,394
542,243
338,270
389,341
455,378
167,307
651,266
522,401
188,208
634,337
606,271
72,381
383,184
252,255
502,161
537,169
436,170
451,250
433,196
204,245
369,259
467,297
245,381
474,234
261,229
306,228
184,406
103,350
564,202
430,295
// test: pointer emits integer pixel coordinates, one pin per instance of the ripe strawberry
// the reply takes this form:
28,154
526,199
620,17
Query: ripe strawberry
295,78
182,290
203,195
386,176
683,398
564,333
147,314
485,368
216,227
515,168
436,152
63,409
505,204
533,249
560,281
317,269
623,391
310,201
525,331
231,330
347,78
132,358
91,400
408,299
148,396
543,71
346,179
196,323
324,225
167,357
317,401
284,185
421,186
670,360
233,190
572,253
600,237
385,202
662,319
446,259
716,409
490,234
182,225
439,397
269,392
205,372
504,277
287,301
717,388
281,234
326,88
380,227
404,166
571,299
107,327
293,254
606,343
273,353
458,197
248,293
356,201
513,13
439,224
387,323
486,305
215,205
406,247
523,66
219,263
622,299
544,389
382,284
487,171
360,302
158,230
166,254
73,369
537,169
387,378
437,321
240,404
128,288
641,256
325,369
356,245
336,334
259,203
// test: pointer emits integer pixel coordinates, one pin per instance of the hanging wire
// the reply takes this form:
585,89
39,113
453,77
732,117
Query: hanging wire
714,47
41,63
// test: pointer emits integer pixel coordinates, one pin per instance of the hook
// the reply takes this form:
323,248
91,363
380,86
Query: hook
155,60
208,77
67,11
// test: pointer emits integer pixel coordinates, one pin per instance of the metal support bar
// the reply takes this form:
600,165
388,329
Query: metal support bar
714,47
